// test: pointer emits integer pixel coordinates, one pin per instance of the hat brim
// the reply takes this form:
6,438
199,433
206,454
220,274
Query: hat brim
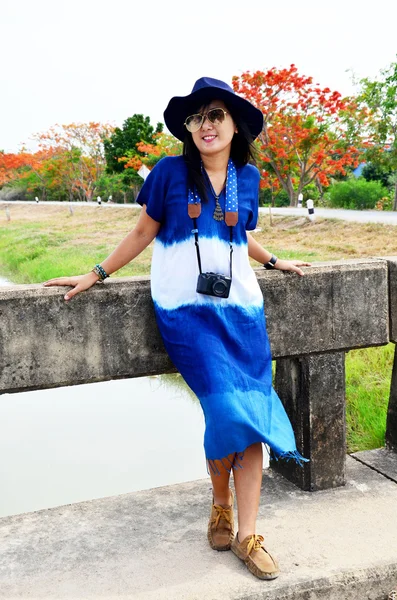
180,107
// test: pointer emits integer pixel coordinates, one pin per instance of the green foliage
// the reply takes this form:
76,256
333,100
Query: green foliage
123,141
279,198
355,193
377,172
380,98
117,185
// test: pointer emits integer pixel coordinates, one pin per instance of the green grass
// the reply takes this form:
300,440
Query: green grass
41,243
368,376
28,255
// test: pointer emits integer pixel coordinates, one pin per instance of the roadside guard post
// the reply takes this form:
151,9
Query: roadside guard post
310,209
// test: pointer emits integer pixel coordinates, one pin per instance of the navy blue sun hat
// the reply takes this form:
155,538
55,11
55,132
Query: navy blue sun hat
205,90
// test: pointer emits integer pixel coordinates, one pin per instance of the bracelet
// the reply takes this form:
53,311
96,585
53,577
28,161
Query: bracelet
272,262
100,271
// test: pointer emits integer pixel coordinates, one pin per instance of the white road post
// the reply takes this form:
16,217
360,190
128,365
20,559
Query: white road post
310,209
300,200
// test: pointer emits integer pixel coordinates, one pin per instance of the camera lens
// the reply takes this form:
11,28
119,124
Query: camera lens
219,287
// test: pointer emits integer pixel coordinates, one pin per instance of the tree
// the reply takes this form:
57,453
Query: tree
118,186
123,142
25,170
308,134
77,155
379,96
374,171
150,154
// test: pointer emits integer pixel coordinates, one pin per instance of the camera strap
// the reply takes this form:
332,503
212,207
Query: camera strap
196,243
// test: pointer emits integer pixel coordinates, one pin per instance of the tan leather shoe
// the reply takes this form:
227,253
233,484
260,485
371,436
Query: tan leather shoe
258,560
221,526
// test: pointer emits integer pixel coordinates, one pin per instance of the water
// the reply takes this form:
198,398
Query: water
78,443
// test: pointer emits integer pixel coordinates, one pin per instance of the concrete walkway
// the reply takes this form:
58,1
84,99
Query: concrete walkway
338,544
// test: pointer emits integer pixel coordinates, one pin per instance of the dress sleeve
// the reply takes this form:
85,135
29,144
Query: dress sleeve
253,212
153,191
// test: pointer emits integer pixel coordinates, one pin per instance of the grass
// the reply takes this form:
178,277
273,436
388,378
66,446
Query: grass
42,242
368,377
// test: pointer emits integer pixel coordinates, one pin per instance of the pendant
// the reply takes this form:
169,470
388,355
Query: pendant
218,213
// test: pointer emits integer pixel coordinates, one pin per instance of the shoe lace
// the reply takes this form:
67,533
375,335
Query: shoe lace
255,543
222,513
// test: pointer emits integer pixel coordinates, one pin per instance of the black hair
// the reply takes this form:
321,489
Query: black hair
242,152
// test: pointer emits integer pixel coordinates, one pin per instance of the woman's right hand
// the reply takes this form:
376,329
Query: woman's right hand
79,283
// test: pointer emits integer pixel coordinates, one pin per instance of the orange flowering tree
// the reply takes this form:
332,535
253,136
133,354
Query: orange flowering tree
309,132
25,170
150,154
78,159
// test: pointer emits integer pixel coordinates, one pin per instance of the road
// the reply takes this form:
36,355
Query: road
359,216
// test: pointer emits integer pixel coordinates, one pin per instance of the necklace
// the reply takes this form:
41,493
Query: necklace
231,198
218,212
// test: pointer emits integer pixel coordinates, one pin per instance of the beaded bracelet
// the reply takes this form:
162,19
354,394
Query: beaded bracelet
271,263
100,271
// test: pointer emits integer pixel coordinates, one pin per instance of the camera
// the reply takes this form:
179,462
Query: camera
213,284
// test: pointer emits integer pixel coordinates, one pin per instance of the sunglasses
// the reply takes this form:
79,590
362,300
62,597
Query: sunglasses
216,116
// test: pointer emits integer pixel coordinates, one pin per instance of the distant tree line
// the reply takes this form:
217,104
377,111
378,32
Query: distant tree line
312,141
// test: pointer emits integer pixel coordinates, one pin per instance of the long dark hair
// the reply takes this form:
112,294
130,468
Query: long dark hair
242,152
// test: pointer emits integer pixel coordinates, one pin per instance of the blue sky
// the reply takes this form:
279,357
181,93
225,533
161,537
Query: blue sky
103,61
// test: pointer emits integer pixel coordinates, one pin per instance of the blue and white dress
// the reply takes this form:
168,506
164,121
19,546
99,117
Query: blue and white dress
219,345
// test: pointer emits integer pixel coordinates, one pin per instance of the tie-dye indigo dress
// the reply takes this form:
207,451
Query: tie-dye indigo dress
219,345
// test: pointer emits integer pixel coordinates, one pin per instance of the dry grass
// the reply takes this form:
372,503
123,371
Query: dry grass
289,237
326,239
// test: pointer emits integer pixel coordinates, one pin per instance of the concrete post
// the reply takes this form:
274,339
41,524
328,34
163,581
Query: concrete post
312,389
391,424
310,209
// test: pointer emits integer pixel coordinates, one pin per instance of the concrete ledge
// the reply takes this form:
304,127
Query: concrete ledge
382,460
337,544
336,306
110,331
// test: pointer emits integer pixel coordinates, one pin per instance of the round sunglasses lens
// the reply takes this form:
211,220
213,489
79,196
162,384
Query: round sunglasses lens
193,123
216,115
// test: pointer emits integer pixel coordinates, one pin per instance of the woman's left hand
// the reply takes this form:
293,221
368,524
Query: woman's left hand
291,265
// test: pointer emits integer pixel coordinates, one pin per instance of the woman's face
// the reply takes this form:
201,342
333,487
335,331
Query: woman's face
214,138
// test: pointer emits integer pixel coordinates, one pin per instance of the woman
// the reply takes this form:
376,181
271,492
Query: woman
208,304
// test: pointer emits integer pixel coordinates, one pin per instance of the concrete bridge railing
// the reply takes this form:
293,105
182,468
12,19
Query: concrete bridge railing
110,332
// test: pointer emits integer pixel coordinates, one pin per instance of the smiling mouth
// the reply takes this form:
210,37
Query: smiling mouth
209,138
